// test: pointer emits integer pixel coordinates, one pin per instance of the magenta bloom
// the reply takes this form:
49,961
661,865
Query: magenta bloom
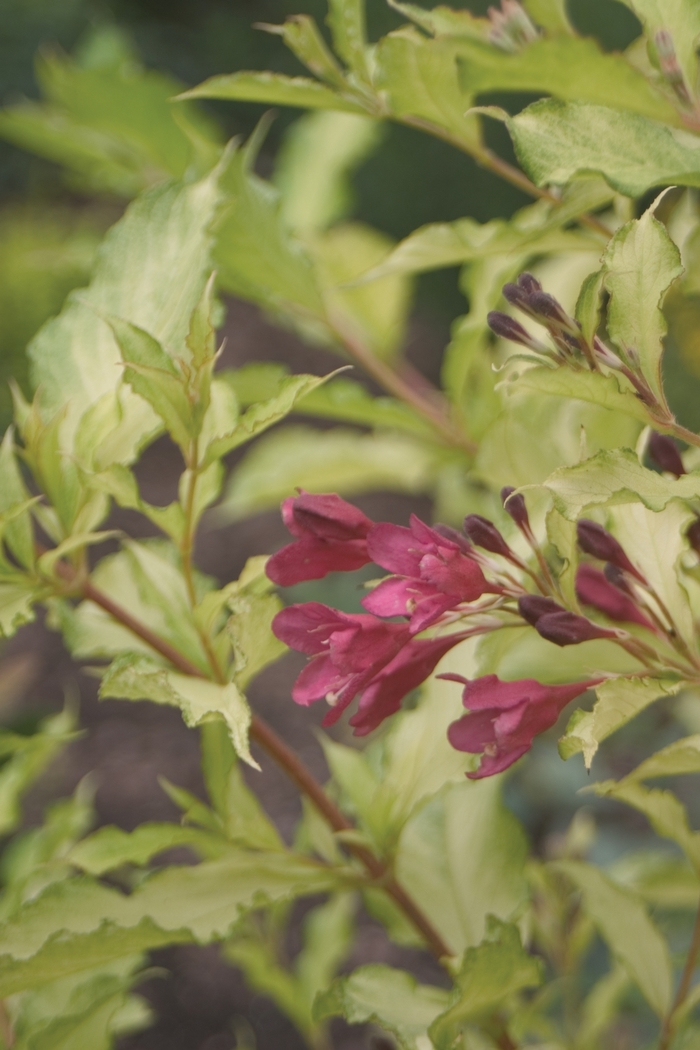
505,717
432,572
347,651
331,536
593,588
382,697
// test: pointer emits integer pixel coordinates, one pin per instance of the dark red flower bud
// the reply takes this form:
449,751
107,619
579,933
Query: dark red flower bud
593,588
593,539
516,296
546,306
663,451
516,507
506,327
693,535
483,533
566,628
529,283
533,606
455,536
618,579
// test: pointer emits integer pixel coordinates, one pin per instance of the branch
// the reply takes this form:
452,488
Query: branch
290,762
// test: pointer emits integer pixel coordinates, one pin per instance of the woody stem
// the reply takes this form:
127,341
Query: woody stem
282,754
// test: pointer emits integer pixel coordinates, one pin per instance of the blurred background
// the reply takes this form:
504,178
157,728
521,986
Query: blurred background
51,223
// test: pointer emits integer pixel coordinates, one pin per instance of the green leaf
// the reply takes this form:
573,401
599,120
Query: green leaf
319,154
588,304
302,36
256,256
555,141
135,677
328,932
657,544
261,416
562,535
346,461
17,601
462,855
390,998
30,758
682,756
613,477
75,359
550,14
342,399
78,924
444,21
18,532
680,18
641,263
496,969
412,763
664,811
112,127
254,644
274,89
264,974
619,700
443,244
568,67
346,20
419,79
601,1008
594,387
623,922
145,579
91,1026
151,374
375,314
110,847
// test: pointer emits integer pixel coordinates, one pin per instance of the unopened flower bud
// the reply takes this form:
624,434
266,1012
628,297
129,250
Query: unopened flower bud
454,536
618,579
506,327
517,296
668,63
532,607
483,533
599,543
511,28
566,628
515,506
546,306
665,454
529,283
693,535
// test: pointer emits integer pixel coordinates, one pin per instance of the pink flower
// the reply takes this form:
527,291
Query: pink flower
331,536
505,717
593,588
347,650
382,697
433,572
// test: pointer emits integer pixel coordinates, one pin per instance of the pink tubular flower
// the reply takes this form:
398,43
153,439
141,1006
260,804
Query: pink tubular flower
593,588
331,536
433,573
347,651
505,717
383,696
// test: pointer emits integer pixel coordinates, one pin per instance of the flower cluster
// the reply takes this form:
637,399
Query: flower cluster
444,586
570,346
